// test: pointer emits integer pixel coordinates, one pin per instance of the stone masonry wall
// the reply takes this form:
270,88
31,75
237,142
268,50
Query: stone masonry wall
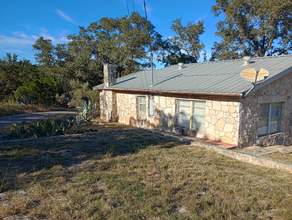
221,121
108,110
164,111
278,91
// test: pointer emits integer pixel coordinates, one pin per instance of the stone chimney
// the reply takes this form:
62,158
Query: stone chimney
110,73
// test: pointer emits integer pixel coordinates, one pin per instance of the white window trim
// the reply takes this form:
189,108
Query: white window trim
191,112
270,118
139,104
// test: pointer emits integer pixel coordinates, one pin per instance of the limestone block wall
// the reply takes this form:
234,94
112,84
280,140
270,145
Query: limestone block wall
278,91
126,108
163,117
108,110
221,121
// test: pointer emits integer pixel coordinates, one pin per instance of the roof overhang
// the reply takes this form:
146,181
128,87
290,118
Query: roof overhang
150,91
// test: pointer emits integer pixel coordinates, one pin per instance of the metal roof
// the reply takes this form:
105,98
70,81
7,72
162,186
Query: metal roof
212,77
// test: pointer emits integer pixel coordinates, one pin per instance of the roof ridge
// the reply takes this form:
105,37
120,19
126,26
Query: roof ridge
234,60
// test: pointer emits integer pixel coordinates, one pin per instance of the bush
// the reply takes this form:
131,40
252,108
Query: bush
78,93
40,90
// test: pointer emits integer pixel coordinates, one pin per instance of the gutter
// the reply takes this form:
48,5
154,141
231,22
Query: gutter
172,92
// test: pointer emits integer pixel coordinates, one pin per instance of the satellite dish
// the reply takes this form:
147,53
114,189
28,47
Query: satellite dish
251,75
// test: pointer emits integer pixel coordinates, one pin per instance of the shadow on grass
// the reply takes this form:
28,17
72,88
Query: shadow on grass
27,157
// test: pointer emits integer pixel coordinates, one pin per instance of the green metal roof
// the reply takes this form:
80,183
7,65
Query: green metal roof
212,77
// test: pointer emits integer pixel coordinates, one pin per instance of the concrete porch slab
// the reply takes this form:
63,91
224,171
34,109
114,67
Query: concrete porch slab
200,140
282,149
258,151
261,151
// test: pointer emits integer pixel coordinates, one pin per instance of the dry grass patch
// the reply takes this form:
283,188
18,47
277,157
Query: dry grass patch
282,157
136,175
15,109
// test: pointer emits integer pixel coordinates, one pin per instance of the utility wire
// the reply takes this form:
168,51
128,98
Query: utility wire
134,5
128,8
145,9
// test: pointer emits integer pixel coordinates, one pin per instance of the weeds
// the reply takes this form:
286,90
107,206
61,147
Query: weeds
2,183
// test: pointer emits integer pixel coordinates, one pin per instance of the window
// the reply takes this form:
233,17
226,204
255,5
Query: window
151,107
191,114
183,113
142,104
270,118
198,117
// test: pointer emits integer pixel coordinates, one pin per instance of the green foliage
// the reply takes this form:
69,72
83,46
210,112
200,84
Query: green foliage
39,90
45,55
256,28
186,46
66,72
14,73
122,40
78,92
44,128
86,111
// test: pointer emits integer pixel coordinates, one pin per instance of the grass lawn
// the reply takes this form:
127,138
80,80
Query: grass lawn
136,175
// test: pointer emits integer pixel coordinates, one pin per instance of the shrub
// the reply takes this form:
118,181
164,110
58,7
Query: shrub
40,90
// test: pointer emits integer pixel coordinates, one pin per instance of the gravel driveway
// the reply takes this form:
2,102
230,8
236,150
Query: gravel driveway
31,117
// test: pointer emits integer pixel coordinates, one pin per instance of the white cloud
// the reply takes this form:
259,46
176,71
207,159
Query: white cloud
14,51
61,40
26,26
22,40
62,14
20,34
6,41
201,18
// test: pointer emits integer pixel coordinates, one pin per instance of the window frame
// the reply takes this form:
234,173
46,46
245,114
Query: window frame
140,103
269,119
192,114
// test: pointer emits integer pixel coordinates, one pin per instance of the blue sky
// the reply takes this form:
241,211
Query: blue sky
23,22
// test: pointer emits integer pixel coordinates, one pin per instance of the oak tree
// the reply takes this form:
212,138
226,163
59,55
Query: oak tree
252,27
185,46
124,41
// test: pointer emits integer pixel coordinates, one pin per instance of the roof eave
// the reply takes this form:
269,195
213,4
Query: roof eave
172,92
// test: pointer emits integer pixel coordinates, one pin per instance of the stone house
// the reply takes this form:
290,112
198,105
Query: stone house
205,100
